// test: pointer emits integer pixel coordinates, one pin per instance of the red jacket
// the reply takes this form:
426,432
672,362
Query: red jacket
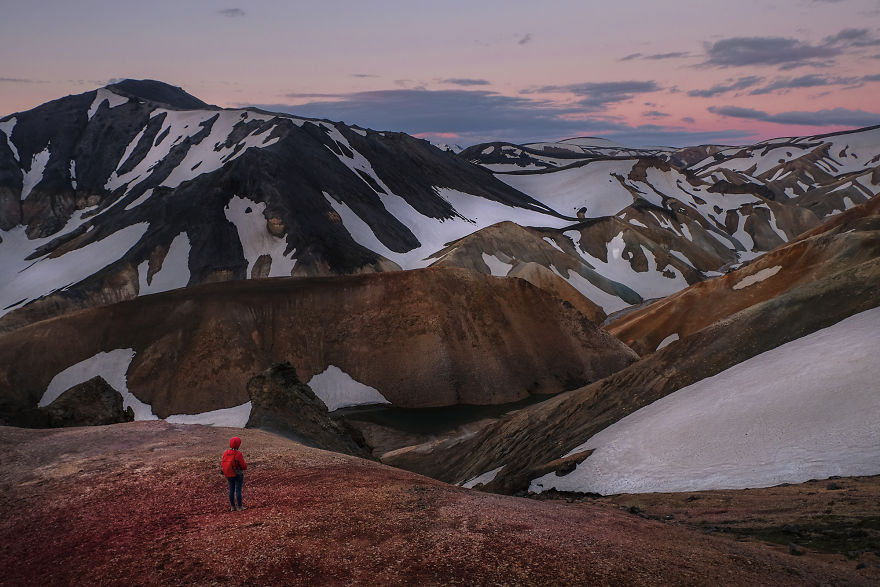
232,463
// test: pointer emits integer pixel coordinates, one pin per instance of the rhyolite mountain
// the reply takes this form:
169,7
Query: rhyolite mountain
422,338
139,187
657,219
776,360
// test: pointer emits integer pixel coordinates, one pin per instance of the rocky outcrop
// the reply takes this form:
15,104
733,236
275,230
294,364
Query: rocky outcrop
282,404
92,403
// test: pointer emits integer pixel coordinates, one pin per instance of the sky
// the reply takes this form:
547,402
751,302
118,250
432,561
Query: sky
677,72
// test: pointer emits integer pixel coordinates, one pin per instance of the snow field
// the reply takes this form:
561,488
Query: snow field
203,157
27,280
648,284
807,409
569,190
474,213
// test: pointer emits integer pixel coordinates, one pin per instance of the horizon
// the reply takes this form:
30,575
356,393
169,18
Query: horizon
685,72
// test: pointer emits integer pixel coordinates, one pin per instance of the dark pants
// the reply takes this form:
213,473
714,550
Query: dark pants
235,484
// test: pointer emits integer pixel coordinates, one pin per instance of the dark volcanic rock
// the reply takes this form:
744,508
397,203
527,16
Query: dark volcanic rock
284,405
93,403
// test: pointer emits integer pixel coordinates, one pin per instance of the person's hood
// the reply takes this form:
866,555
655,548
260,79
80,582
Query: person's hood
234,442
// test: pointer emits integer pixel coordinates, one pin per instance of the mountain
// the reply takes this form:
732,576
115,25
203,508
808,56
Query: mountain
657,219
418,339
139,187
777,391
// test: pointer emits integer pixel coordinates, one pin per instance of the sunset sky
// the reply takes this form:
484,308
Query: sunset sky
676,72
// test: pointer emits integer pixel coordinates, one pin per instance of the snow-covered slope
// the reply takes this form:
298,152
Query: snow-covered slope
807,409
139,187
706,209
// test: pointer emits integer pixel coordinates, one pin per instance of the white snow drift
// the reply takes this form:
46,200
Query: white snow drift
112,366
807,409
337,389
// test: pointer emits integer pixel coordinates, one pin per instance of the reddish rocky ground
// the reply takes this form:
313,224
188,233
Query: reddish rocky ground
145,503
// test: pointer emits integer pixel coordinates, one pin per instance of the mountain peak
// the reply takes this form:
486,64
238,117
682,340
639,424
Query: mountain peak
156,91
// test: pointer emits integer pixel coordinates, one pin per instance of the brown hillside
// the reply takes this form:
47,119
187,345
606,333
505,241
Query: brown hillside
425,338
841,244
145,504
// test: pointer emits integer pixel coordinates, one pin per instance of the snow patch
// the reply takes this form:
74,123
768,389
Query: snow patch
140,199
667,341
7,126
337,389
553,244
174,272
610,303
757,277
112,366
234,417
497,267
255,237
34,175
804,410
113,100
483,479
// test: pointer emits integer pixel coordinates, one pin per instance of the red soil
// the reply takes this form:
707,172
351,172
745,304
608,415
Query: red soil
145,503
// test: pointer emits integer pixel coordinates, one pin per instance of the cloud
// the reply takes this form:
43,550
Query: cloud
730,85
654,114
786,53
476,116
673,55
363,75
464,81
231,12
828,117
688,120
657,56
595,96
806,81
853,38
745,51
21,80
527,38
309,95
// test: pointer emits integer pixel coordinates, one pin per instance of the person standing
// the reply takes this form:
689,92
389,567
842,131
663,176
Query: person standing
233,467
